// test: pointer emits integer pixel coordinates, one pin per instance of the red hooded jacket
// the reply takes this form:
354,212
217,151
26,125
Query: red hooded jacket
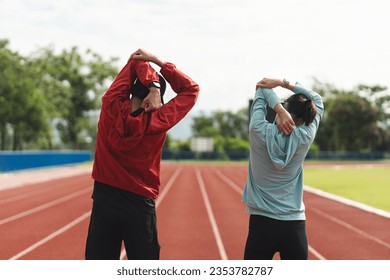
128,149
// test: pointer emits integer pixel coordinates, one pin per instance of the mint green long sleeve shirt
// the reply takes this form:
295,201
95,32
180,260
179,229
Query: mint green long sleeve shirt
274,186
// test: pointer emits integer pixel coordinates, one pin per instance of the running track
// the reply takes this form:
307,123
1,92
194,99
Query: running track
45,214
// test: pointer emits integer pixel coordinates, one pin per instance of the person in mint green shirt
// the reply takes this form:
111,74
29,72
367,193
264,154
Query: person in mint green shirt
274,187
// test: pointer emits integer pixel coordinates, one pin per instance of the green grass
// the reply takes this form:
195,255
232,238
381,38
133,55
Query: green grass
368,185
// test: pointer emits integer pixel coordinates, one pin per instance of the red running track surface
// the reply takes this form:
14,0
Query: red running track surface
199,212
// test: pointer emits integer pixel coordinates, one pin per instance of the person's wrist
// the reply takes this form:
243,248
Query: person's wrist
158,61
279,109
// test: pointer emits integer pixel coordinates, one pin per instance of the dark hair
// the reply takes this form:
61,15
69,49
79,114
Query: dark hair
301,108
141,91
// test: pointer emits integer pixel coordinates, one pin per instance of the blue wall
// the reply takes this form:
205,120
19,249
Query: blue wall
17,160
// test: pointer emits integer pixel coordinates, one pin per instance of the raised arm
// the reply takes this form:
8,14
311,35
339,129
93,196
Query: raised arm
120,88
296,88
147,56
152,101
286,123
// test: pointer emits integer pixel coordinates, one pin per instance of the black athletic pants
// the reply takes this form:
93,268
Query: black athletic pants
267,236
132,221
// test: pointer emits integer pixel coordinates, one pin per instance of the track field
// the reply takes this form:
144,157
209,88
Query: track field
44,215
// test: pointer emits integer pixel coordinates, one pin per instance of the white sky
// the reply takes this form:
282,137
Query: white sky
226,46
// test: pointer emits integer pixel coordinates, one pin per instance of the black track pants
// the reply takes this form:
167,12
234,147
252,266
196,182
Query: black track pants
110,225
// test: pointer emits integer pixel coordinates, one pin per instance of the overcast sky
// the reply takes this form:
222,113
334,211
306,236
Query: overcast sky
226,46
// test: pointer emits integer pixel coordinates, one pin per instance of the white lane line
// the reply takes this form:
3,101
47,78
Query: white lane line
51,236
159,199
347,201
316,254
239,191
350,227
213,222
37,192
228,181
24,195
167,187
44,206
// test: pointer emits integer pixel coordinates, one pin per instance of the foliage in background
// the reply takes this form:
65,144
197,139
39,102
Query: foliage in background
23,118
354,120
50,100
46,89
74,83
229,130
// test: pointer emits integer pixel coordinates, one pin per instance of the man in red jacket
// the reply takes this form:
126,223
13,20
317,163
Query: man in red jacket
126,170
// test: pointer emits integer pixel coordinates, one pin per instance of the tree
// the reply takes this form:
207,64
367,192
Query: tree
231,124
21,112
204,126
224,123
45,87
354,120
229,130
73,83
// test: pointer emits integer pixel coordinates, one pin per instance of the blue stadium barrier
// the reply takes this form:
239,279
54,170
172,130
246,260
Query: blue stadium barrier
18,160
